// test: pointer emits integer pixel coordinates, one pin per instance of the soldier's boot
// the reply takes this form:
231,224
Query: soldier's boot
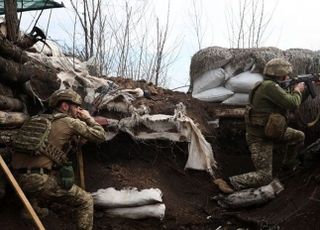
41,212
223,186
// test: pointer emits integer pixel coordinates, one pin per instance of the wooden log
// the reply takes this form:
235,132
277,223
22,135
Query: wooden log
11,71
12,119
6,90
10,8
229,112
11,104
10,51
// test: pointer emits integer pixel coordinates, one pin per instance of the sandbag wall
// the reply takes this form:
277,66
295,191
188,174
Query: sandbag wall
12,116
227,75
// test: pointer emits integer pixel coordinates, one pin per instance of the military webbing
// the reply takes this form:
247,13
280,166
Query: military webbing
32,138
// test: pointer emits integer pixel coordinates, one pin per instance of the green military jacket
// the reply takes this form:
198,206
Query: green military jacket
266,98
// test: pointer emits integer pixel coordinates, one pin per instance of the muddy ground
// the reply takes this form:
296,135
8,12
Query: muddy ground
123,162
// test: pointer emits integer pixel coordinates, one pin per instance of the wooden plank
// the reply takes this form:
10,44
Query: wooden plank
81,167
230,112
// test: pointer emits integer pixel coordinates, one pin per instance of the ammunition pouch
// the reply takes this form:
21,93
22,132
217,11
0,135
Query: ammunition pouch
275,126
253,118
66,176
54,153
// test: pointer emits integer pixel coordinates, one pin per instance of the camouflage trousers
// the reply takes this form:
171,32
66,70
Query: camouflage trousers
262,154
47,187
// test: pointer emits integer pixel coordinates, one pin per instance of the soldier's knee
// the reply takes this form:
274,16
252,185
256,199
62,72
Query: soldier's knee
265,176
87,200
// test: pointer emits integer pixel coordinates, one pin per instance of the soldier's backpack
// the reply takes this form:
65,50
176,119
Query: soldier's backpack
32,138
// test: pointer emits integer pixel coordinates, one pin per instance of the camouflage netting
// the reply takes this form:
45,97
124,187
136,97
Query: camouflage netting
207,59
253,59
236,61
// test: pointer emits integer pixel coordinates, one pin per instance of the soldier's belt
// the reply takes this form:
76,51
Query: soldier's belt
258,120
55,154
33,170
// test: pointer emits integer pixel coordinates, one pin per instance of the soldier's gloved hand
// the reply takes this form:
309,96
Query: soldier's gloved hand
300,87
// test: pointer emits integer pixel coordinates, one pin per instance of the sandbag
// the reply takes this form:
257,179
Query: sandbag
141,212
243,82
237,99
127,197
12,119
208,80
214,95
249,197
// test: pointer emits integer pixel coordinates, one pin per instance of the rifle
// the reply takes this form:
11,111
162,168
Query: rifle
308,79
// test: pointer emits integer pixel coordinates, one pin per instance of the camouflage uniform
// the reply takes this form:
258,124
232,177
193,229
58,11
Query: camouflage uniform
267,98
6,155
47,185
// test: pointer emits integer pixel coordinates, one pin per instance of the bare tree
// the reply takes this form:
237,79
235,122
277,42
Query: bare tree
123,40
88,19
248,24
10,7
197,18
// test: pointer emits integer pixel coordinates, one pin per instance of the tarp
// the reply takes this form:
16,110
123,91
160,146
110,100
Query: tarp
27,5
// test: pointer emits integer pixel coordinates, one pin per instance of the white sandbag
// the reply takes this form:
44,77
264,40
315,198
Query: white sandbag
237,99
141,212
127,197
208,80
243,82
251,196
214,95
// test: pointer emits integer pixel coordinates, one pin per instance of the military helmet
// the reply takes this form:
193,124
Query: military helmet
64,95
277,67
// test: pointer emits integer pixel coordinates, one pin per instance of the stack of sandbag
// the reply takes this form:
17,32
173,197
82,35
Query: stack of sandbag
250,197
227,75
12,112
130,202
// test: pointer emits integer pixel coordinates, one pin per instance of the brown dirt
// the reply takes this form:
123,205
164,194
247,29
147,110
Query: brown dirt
123,162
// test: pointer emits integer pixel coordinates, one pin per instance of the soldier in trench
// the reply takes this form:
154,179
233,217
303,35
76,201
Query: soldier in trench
266,125
48,175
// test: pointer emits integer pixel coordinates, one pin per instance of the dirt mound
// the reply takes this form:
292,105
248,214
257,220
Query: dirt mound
123,162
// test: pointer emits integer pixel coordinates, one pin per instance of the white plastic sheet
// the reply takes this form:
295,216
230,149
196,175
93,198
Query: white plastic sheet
178,127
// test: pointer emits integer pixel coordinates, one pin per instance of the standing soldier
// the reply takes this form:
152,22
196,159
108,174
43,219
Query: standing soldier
45,172
266,124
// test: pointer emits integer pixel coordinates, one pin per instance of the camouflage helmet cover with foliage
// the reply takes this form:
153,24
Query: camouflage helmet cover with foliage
277,67
64,95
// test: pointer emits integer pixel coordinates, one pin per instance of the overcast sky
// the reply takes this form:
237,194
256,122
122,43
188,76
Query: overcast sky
294,24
